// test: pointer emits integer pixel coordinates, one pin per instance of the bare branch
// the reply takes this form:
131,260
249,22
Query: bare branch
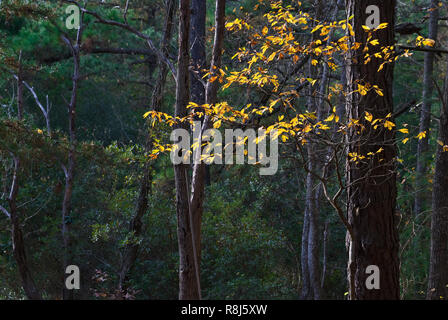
2,209
131,29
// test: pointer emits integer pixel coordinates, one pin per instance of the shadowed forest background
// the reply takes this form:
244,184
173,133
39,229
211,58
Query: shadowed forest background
85,178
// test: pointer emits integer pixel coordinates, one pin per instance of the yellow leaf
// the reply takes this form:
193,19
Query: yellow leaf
362,90
273,103
316,28
311,81
307,129
271,57
421,135
217,124
265,31
389,125
366,28
429,42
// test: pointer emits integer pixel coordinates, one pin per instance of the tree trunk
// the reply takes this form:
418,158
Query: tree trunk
197,45
421,193
69,169
306,290
18,243
131,250
438,268
211,93
371,185
311,234
190,210
198,60
188,281
312,213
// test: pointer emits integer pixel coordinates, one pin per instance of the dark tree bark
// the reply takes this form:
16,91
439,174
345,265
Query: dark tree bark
211,92
188,280
197,45
438,268
421,193
189,210
131,250
218,43
371,185
198,58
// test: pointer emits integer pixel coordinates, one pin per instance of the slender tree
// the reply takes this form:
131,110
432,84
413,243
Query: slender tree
70,166
425,113
188,280
18,243
311,274
197,45
136,225
189,204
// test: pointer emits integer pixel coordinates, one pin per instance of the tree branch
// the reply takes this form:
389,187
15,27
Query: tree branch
131,29
2,209
424,49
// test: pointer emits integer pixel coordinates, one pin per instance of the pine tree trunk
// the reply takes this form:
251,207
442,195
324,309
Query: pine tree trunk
372,185
438,268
